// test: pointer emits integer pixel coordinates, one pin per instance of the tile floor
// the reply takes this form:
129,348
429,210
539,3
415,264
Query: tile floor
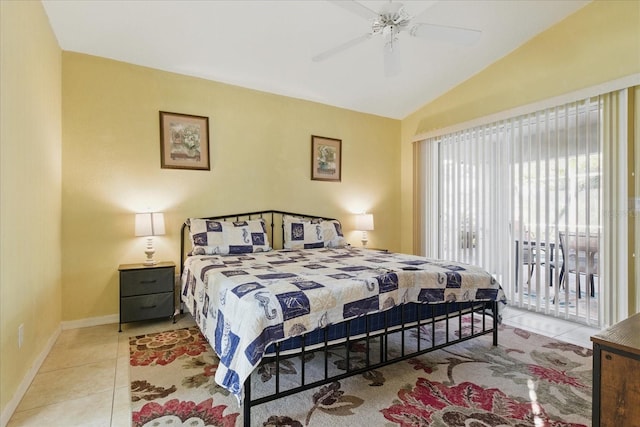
86,374
86,377
562,330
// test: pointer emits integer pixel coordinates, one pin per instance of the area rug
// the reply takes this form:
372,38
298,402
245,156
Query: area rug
527,380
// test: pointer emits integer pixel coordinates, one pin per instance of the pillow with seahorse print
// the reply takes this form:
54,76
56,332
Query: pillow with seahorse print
312,233
212,237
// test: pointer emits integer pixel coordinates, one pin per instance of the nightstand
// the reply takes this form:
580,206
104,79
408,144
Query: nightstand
146,292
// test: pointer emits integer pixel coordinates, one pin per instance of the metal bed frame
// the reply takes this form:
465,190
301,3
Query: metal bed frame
411,317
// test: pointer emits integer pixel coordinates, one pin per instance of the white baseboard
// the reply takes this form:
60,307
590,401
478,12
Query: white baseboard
90,321
12,405
28,378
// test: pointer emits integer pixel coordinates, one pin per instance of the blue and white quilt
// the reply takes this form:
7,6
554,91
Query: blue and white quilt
243,303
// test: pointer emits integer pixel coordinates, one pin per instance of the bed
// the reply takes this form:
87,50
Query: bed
257,305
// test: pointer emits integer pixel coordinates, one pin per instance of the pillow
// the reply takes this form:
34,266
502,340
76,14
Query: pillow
212,237
305,233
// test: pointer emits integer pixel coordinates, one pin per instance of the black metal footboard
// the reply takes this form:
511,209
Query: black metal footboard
414,334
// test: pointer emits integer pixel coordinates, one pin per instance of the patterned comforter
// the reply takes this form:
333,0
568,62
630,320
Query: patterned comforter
243,303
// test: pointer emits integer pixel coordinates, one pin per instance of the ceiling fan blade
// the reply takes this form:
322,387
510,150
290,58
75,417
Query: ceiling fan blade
465,36
392,64
355,7
344,46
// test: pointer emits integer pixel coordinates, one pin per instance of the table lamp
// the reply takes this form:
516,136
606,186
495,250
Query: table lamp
364,223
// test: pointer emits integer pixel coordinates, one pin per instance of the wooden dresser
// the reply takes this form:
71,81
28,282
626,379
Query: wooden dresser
616,375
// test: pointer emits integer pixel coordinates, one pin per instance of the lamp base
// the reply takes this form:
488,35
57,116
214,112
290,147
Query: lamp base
365,239
150,251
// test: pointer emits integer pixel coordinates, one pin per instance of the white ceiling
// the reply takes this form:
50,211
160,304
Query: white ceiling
269,45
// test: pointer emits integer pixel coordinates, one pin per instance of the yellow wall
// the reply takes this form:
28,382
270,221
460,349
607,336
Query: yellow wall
30,186
260,159
597,44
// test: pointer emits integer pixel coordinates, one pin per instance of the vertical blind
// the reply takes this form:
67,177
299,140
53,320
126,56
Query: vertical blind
522,197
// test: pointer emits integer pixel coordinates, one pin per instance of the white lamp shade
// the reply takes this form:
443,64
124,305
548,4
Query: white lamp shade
364,222
150,224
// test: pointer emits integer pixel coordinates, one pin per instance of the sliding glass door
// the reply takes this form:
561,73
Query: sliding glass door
555,174
522,198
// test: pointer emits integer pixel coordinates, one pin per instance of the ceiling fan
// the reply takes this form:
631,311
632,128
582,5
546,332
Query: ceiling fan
388,23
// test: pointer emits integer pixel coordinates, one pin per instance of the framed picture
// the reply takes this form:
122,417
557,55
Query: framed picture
326,158
184,141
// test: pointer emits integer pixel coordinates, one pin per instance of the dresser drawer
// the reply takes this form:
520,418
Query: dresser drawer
142,282
145,307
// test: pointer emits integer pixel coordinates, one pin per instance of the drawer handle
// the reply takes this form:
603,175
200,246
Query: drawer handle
608,357
148,307
144,282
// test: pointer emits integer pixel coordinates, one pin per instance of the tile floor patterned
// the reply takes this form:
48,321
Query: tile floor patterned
84,381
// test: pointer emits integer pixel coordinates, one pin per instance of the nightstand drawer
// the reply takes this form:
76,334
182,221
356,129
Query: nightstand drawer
146,307
141,282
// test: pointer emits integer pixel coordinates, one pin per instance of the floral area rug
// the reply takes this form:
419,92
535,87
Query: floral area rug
527,380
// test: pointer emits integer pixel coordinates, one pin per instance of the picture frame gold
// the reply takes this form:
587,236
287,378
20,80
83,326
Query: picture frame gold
184,141
326,159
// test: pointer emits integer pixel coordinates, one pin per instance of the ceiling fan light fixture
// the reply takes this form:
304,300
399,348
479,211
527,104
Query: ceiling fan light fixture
392,18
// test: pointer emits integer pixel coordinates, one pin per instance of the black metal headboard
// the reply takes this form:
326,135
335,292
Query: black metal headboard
272,218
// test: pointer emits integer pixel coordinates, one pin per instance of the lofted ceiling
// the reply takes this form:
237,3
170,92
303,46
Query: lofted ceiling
270,45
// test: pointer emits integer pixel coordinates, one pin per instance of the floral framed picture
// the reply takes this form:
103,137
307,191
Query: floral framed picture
326,158
184,141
